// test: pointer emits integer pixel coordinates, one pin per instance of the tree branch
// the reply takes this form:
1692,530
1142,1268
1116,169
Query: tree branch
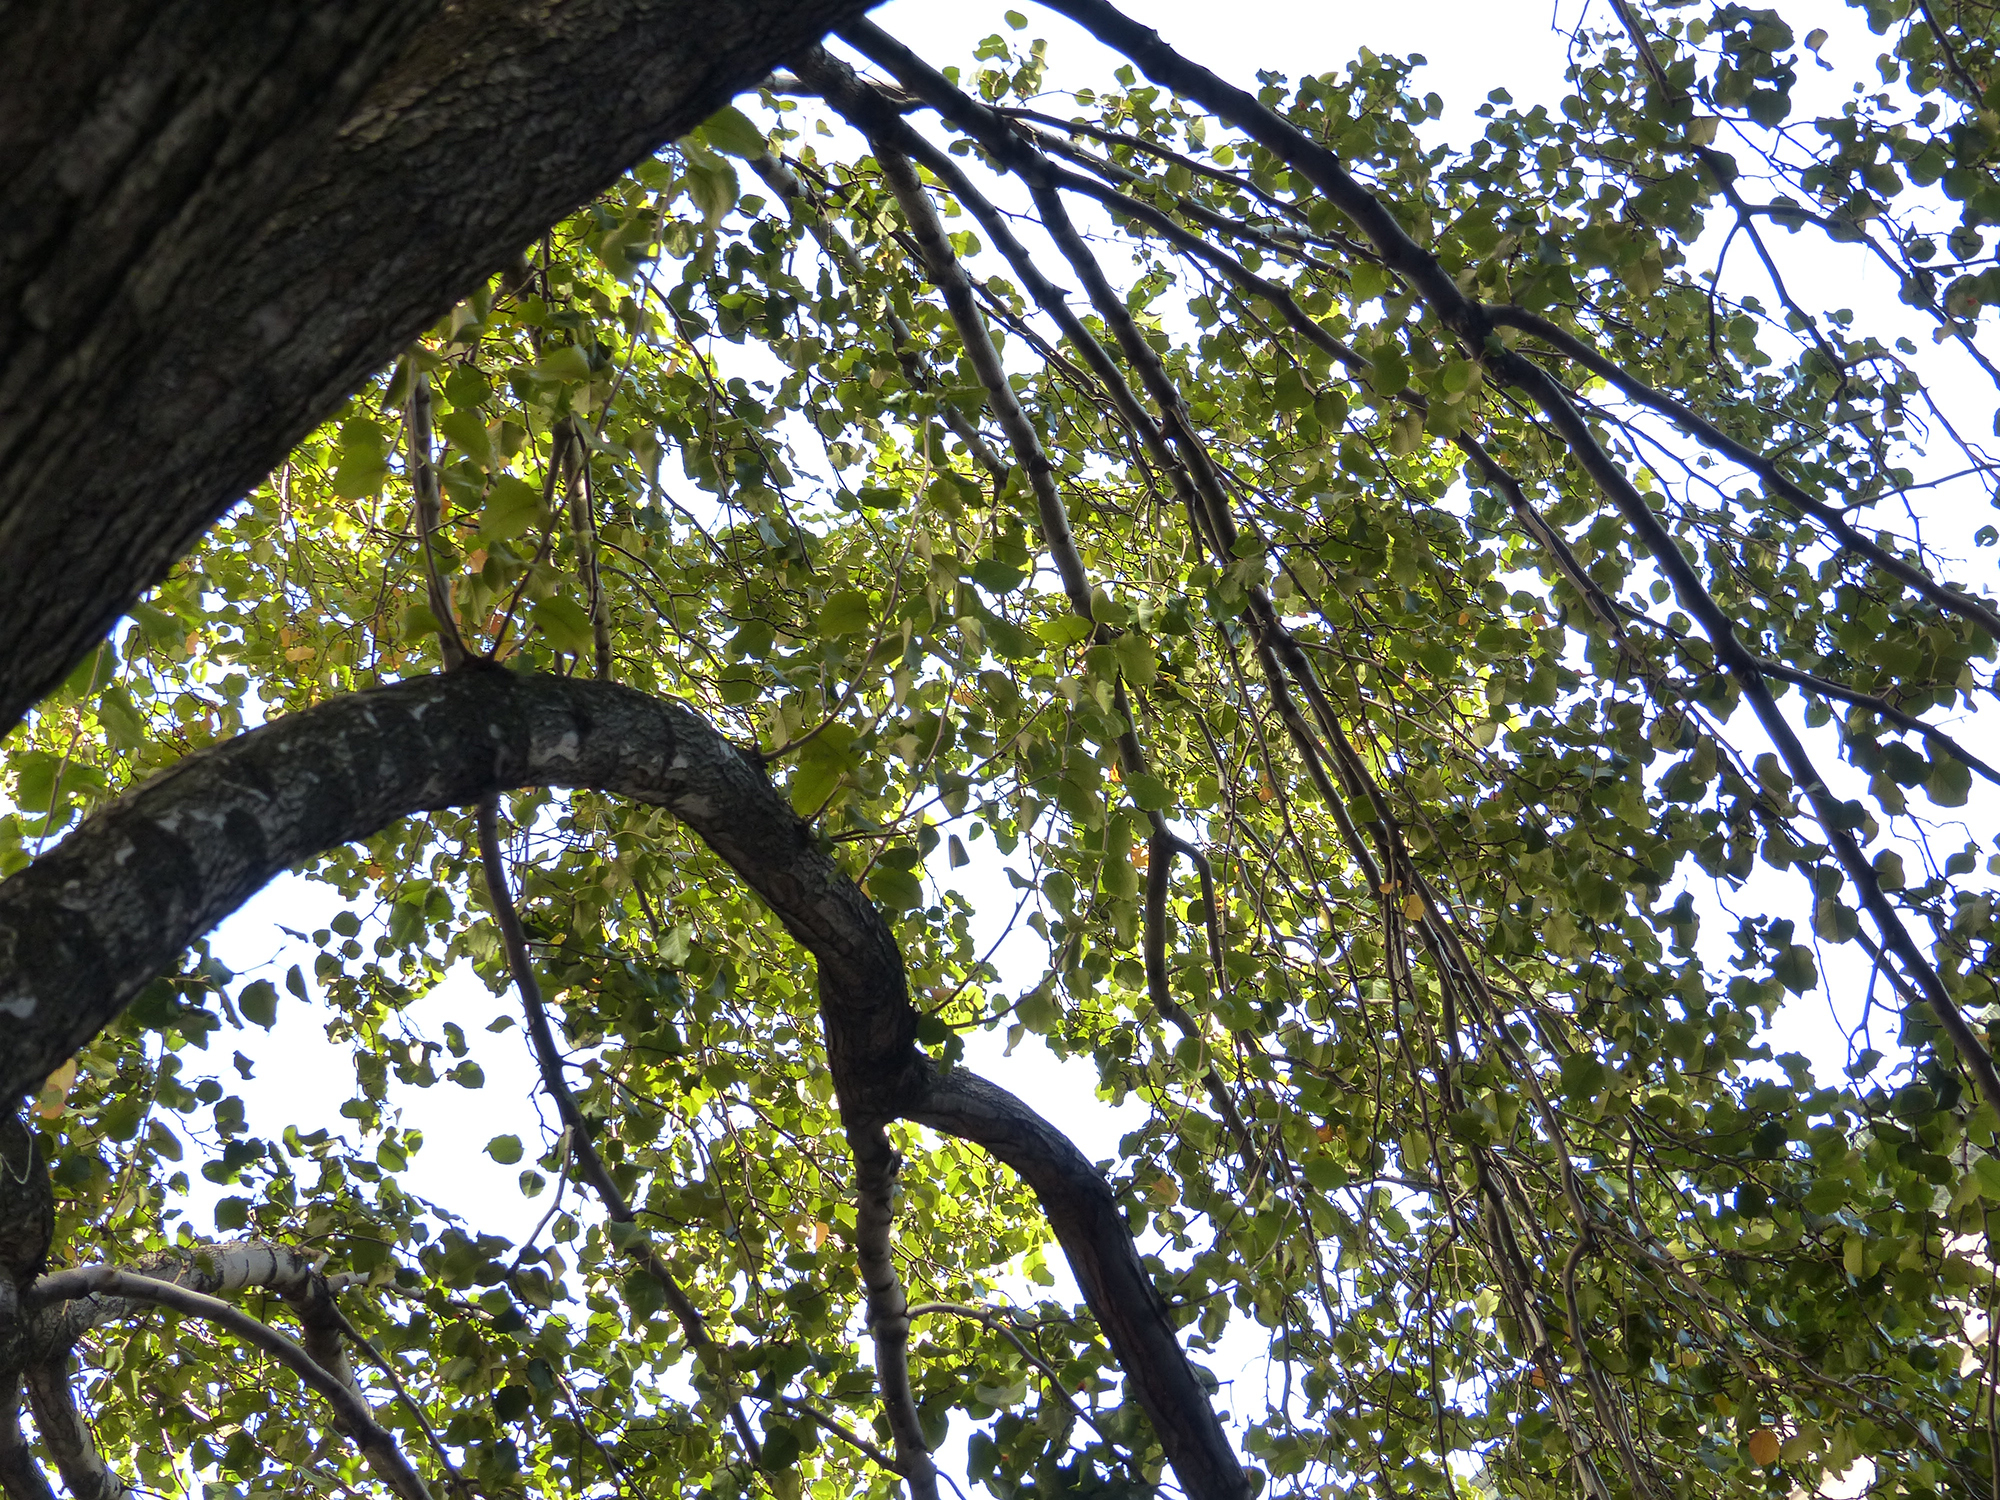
351,1411
66,1434
1470,322
876,1163
21,1478
88,925
583,1150
220,221
1092,1231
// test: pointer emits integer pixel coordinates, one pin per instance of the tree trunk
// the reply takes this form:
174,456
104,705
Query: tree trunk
215,220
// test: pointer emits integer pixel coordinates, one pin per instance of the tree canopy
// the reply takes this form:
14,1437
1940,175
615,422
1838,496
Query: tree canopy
1364,613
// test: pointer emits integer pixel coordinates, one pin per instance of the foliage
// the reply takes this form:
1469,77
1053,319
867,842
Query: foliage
1454,1104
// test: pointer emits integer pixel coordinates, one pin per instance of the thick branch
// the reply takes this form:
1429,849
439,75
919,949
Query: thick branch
83,929
1091,1229
875,1166
215,220
21,1478
66,1434
68,1305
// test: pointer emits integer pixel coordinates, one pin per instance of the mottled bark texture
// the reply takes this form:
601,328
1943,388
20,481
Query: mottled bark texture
216,219
87,925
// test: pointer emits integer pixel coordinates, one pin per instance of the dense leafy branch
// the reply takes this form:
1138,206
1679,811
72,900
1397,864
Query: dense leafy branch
1198,578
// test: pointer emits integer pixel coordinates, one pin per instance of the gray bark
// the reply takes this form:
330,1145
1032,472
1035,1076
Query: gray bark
216,219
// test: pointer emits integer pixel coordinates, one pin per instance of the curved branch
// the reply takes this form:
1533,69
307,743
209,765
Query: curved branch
88,925
1091,1229
351,1412
68,1304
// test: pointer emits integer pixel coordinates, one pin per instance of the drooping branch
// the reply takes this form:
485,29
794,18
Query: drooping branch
1183,454
582,1149
946,274
1947,598
783,181
868,107
1470,322
83,929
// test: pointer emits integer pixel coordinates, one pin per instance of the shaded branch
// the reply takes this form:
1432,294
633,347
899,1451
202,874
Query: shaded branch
577,1132
21,1477
66,1434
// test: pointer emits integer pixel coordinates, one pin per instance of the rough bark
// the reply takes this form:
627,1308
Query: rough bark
90,923
216,219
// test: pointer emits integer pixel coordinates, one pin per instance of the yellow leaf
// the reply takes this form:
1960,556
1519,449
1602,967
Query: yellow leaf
1413,907
1763,1447
50,1105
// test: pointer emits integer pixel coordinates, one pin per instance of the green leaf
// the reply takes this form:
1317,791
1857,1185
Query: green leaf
627,1235
505,1149
563,621
1795,969
513,507
258,1001
360,476
713,188
844,613
468,432
729,129
563,365
811,784
996,577
898,890
1950,781
1063,630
